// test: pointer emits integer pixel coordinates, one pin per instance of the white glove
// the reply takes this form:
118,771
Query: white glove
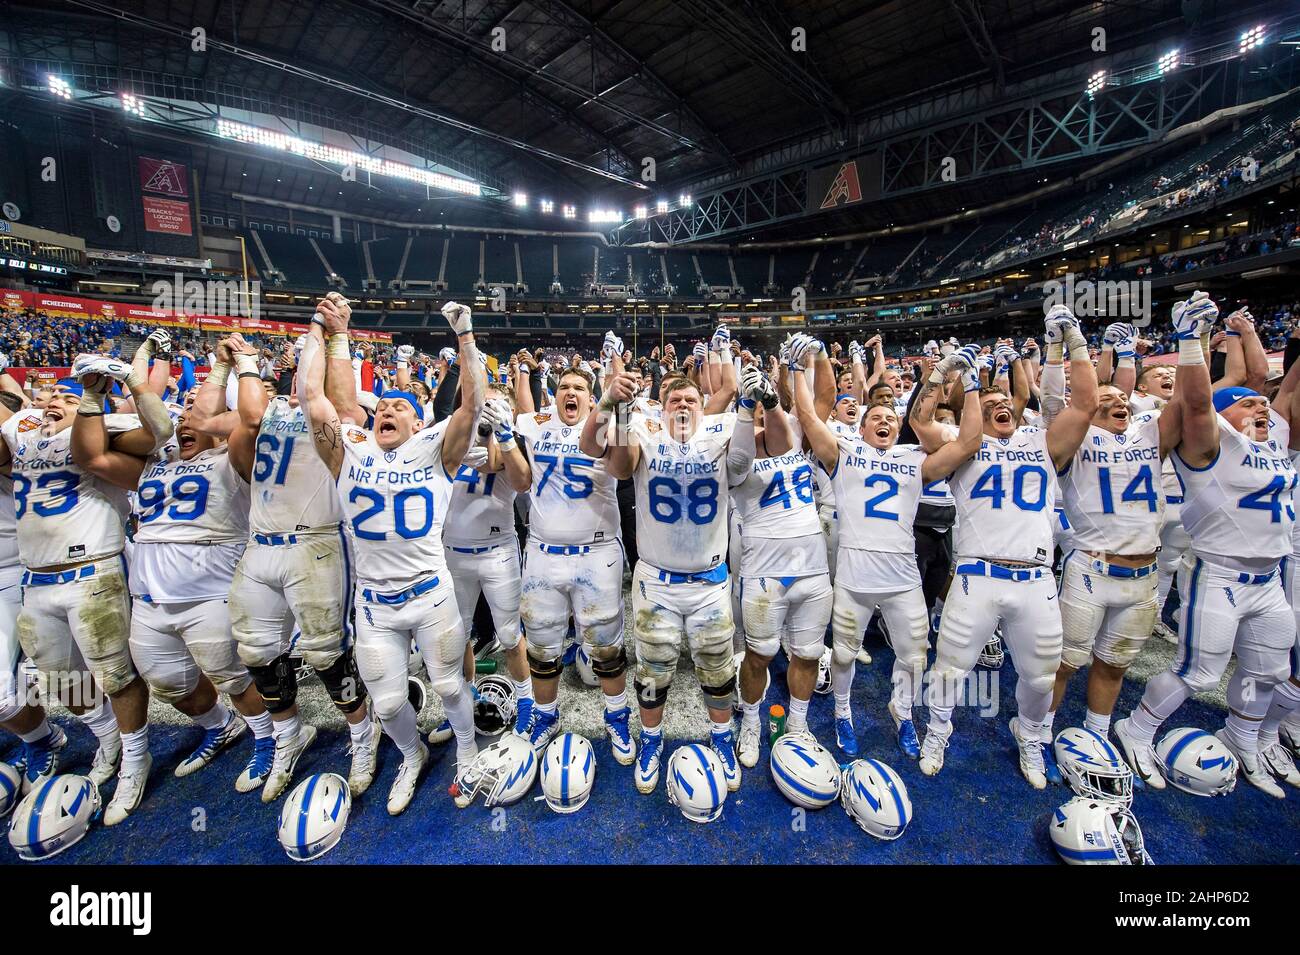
856,353
458,317
1005,354
404,355
985,362
1058,319
721,341
931,348
612,346
448,355
970,379
701,353
158,343
476,456
497,413
801,346
1196,316
1114,332
783,354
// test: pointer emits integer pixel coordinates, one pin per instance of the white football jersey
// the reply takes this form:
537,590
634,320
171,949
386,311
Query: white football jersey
396,502
191,527
1006,496
1140,403
292,488
1112,495
647,406
573,500
682,494
937,492
1239,507
8,524
482,511
781,534
64,515
878,490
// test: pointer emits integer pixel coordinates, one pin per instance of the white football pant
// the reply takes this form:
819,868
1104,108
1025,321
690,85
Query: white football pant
173,643
800,608
1104,616
495,573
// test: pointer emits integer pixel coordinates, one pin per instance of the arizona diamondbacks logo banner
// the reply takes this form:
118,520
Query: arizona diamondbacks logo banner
163,176
845,183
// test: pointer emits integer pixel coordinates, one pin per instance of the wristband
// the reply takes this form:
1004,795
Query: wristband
936,376
1189,352
246,363
92,404
317,320
219,374
249,374
1055,353
338,347
1126,361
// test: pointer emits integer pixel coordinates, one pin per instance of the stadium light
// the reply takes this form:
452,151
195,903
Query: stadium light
604,215
1096,82
1169,62
1251,38
639,212
570,212
59,86
132,105
320,152
548,206
661,206
685,200
521,200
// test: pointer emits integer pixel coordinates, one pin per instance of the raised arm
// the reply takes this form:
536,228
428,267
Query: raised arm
524,386
251,400
209,413
90,444
815,430
1199,442
1241,324
334,313
464,420
949,456
1068,429
324,422
621,456
720,360
932,389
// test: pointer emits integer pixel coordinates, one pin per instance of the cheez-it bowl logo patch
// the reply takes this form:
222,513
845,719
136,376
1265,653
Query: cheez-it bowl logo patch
356,437
653,426
28,424
541,418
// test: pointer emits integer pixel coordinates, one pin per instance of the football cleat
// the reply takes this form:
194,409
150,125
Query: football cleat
844,738
906,730
364,756
748,744
932,748
408,776
823,685
107,755
724,747
213,742
1252,767
1141,757
129,792
647,762
1031,756
620,736
542,728
41,758
1165,632
443,732
863,656
523,713
284,761
1290,736
1050,769
259,765
1277,760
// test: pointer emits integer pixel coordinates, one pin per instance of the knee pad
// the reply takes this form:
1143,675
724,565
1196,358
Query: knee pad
1116,650
764,646
343,683
651,695
1076,657
1039,682
608,661
717,695
277,683
842,655
448,688
508,639
544,662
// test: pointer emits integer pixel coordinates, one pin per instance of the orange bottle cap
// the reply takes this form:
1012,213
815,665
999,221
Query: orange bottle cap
777,710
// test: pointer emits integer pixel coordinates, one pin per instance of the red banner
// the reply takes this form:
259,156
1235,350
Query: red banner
166,215
68,305
164,176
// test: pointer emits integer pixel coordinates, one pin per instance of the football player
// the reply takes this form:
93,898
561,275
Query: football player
76,611
680,589
395,484
878,485
1005,499
1239,513
296,568
573,562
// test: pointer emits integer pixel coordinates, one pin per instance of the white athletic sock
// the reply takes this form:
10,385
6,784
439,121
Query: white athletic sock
360,732
401,729
842,677
286,730
615,703
37,734
215,718
1099,723
653,731
1164,694
715,727
797,720
1048,720
843,709
1031,729
1285,708
259,724
524,688
551,707
750,711
1248,702
135,747
101,722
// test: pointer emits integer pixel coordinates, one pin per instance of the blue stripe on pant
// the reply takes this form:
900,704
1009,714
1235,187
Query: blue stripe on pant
1189,621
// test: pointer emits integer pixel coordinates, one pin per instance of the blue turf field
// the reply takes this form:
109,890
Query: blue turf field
978,810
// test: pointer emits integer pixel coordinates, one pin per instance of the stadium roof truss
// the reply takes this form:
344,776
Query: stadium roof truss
1049,129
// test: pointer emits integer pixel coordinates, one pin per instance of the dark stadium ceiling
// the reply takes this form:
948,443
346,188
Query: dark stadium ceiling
702,86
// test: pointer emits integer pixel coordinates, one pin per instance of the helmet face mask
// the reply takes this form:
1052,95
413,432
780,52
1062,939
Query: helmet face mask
505,771
1097,832
992,656
1093,767
494,709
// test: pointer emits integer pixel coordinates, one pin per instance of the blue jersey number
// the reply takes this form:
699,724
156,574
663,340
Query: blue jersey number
272,456
890,486
189,492
801,484
666,504
574,484
60,485
1269,498
402,522
990,485
470,477
1140,489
